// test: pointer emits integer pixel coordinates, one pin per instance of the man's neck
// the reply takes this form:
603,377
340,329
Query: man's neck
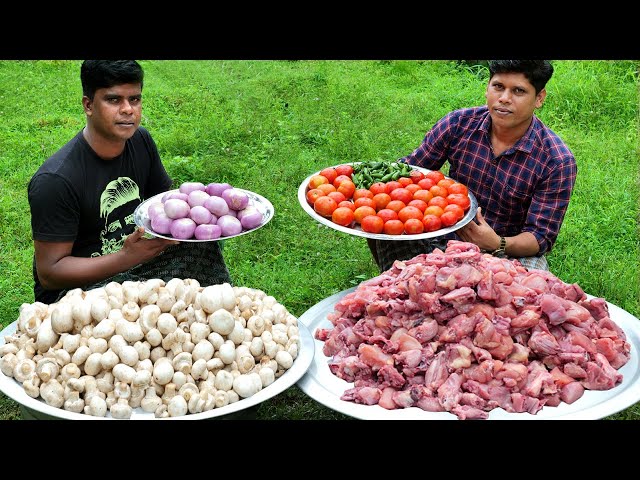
104,148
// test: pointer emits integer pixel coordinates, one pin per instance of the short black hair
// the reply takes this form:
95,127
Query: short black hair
538,72
95,74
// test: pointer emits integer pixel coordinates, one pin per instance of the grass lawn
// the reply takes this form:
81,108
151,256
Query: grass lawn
266,125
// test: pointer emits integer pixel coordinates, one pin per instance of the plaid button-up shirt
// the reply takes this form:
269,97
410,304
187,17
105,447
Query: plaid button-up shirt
525,189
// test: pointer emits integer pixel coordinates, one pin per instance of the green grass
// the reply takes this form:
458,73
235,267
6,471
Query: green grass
266,125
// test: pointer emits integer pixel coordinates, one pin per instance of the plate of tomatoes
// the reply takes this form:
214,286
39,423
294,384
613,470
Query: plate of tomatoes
401,203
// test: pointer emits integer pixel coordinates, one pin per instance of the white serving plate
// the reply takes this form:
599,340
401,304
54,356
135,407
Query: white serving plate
302,199
323,386
39,409
141,217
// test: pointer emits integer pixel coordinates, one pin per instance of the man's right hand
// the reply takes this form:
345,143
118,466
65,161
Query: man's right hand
145,249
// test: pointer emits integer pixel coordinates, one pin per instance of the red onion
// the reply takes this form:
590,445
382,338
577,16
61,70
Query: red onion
236,199
217,188
216,205
175,208
229,225
161,224
207,231
188,187
183,228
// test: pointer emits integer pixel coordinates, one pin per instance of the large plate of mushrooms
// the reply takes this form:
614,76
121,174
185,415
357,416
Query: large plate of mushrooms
37,367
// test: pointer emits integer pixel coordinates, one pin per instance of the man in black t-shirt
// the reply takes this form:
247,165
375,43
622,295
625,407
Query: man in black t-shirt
83,197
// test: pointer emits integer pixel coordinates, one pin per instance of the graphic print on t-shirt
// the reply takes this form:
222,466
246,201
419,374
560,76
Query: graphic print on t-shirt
117,194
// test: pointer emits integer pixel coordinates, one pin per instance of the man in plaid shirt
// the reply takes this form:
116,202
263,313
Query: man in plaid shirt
521,173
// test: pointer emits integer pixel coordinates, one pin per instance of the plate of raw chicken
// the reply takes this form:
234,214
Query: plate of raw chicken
465,335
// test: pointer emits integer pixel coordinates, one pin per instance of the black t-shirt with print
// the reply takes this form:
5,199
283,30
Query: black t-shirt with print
75,196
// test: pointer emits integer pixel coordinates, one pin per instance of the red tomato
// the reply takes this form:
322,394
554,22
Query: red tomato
362,192
445,182
344,170
313,194
327,188
393,227
387,214
362,212
455,208
409,212
337,196
431,223
413,226
348,204
439,201
413,188
378,187
381,199
404,181
325,206
362,201
426,183
459,199
347,188
316,180
420,204
339,179
372,224
435,175
330,173
458,188
392,185
433,210
424,195
416,176
439,191
343,216
401,194
448,218
396,205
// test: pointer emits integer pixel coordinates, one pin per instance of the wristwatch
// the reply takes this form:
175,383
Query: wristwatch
500,251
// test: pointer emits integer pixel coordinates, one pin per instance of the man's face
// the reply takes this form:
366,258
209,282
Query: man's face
512,99
114,112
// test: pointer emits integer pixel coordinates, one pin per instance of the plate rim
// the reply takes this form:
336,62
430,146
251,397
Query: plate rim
302,200
260,202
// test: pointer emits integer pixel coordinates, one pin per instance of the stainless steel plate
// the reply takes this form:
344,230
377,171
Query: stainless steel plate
39,409
321,385
302,199
141,217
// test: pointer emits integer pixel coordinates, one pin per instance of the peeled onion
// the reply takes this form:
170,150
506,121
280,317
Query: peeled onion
235,198
200,215
229,225
183,228
217,188
176,208
207,231
216,205
188,187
